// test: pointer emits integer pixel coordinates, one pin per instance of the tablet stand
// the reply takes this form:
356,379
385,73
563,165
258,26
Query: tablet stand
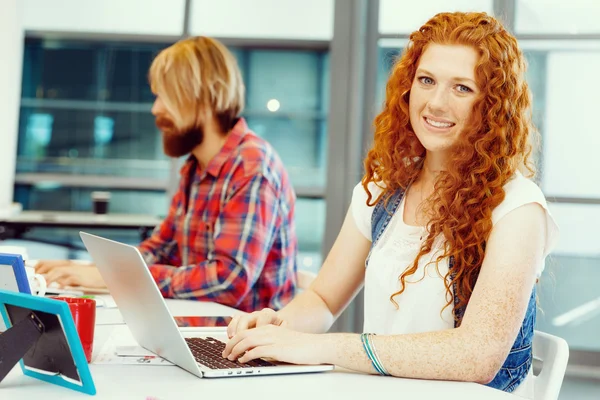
17,340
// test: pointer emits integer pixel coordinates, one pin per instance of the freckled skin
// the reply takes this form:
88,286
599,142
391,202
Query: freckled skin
473,352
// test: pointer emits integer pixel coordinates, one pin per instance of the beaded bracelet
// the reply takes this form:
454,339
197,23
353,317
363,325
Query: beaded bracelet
369,347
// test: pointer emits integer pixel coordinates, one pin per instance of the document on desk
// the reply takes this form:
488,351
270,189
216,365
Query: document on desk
121,349
129,360
110,316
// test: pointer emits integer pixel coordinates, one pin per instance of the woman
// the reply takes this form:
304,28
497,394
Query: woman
452,233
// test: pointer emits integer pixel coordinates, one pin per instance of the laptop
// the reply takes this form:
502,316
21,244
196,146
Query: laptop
146,314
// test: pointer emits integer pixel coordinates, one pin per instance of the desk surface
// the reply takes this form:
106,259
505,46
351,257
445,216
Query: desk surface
78,219
171,382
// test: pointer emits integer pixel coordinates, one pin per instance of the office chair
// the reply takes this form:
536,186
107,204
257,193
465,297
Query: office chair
553,352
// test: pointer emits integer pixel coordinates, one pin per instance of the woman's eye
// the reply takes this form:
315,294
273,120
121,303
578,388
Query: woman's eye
464,89
426,80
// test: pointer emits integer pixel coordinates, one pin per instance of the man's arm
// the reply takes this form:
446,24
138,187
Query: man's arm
243,235
160,247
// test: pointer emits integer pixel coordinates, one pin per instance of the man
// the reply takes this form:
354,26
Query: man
229,235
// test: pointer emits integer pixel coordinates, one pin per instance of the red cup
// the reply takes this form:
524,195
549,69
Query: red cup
84,316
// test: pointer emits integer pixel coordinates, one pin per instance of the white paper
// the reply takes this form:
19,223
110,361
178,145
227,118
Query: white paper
145,360
133,351
120,337
105,301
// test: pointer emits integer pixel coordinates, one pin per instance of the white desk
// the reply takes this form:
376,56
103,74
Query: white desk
171,382
26,220
76,219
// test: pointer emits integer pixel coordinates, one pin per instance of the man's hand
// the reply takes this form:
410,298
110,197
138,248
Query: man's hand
70,273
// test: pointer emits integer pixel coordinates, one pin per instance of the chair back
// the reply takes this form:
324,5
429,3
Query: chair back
553,352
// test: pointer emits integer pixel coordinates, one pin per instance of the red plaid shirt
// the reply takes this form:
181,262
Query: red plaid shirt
229,236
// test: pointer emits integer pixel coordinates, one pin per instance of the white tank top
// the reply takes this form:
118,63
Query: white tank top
420,305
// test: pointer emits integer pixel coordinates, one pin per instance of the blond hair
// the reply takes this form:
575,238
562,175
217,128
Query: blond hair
197,77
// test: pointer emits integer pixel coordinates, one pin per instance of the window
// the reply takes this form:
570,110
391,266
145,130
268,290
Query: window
557,17
285,106
55,197
85,124
569,125
562,77
389,51
90,120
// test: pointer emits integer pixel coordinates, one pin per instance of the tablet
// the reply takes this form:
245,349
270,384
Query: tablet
57,356
12,273
12,277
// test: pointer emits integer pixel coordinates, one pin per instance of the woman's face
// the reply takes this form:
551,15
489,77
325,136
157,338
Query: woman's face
442,95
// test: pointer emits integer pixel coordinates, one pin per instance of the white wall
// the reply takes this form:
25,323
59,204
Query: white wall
578,229
571,140
11,59
266,19
283,19
396,16
571,132
143,17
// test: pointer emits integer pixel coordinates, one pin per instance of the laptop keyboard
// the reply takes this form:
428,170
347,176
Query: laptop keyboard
208,352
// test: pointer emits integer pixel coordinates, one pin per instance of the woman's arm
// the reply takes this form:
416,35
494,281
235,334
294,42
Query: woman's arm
338,281
473,352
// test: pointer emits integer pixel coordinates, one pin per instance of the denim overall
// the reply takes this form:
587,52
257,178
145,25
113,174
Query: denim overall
517,364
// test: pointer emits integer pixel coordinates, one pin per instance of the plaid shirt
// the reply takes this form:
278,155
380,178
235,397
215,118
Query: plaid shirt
229,236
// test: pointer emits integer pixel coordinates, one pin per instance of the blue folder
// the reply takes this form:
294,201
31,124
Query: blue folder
57,356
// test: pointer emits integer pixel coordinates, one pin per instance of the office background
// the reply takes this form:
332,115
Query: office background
315,72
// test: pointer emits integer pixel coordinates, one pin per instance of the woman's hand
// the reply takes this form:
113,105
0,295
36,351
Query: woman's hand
243,322
277,343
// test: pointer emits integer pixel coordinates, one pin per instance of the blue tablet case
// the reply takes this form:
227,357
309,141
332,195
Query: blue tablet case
58,351
17,280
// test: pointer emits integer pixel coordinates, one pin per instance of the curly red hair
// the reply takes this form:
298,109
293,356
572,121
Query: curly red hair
495,144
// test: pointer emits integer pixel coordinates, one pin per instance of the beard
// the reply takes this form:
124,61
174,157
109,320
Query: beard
176,142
